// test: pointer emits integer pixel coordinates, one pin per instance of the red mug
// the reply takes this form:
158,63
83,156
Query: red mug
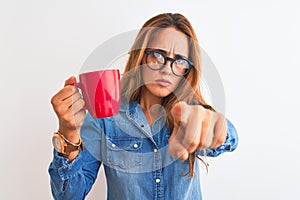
101,92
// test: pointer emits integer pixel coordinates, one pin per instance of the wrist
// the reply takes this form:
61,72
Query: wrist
65,147
68,141
72,135
73,155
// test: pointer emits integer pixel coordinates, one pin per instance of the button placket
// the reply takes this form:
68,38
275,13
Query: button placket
157,173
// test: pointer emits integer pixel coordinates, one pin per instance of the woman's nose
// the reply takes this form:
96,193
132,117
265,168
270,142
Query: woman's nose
167,68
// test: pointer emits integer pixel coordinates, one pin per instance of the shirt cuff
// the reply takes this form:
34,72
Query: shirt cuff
229,145
66,169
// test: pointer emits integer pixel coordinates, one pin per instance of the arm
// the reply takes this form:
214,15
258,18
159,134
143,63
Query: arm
73,175
73,180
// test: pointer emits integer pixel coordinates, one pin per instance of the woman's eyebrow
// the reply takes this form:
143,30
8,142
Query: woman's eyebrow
176,55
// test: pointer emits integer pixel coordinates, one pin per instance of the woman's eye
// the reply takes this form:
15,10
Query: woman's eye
181,62
158,56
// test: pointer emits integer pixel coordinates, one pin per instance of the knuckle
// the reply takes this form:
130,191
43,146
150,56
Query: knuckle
201,112
221,119
208,115
64,117
57,110
220,140
81,115
67,117
82,102
70,89
72,123
77,95
201,144
201,109
70,120
192,148
52,100
191,143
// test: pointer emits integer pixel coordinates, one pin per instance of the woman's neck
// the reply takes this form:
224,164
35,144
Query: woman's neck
151,105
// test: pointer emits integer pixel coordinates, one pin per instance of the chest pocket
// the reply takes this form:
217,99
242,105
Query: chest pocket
124,153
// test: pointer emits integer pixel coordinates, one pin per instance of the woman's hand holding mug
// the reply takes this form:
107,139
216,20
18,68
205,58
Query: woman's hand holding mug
68,105
101,96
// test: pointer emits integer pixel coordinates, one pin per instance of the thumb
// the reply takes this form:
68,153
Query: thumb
70,81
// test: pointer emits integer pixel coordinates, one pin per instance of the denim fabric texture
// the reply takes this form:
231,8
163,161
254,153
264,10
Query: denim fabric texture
135,157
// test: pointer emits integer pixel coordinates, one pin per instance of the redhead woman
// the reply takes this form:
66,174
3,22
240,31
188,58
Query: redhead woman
152,148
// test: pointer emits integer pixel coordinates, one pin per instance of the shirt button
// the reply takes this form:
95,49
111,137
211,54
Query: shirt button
157,180
142,125
135,146
155,150
113,145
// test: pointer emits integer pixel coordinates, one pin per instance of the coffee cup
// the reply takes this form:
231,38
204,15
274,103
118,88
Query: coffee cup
101,92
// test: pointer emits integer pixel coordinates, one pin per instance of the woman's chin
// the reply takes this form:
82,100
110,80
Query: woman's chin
162,93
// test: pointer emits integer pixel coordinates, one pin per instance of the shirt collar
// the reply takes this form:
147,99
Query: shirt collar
133,108
124,106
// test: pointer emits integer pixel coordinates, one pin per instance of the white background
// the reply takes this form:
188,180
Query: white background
254,44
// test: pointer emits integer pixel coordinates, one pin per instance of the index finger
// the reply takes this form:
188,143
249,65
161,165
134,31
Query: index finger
70,81
66,92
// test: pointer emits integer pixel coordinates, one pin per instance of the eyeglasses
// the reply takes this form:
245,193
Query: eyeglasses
156,60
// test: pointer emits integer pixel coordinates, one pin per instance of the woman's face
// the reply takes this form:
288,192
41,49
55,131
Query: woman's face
173,44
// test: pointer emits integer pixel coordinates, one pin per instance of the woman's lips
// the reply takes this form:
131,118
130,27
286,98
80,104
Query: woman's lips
163,82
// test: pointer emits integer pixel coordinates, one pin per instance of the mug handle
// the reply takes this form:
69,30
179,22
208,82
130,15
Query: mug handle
78,85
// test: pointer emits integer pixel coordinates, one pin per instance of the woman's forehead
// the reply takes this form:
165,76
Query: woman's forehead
170,40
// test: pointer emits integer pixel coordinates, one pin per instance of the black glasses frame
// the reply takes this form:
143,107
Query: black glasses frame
166,58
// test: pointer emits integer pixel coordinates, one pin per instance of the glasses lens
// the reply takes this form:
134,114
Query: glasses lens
155,60
180,67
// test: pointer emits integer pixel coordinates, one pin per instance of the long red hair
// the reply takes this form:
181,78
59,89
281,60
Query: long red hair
188,90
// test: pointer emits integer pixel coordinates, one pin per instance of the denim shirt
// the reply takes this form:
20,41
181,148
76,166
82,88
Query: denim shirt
136,160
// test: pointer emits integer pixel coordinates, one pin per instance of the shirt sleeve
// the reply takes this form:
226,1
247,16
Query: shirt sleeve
229,145
73,180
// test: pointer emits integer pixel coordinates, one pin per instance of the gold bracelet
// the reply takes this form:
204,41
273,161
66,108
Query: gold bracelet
68,141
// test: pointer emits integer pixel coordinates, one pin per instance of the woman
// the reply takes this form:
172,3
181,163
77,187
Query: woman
150,149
